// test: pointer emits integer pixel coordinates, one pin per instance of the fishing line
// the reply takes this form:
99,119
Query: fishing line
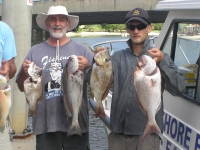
57,51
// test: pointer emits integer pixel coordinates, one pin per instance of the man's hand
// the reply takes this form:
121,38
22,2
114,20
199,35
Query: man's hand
4,70
83,62
156,54
98,49
25,67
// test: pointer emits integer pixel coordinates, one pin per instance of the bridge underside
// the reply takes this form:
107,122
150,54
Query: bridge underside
89,18
113,17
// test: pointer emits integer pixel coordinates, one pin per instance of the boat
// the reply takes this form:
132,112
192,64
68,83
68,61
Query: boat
180,38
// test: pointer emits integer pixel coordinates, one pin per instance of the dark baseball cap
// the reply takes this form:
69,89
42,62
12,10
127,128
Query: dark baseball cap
138,14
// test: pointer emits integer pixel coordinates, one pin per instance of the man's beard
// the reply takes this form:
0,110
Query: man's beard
57,35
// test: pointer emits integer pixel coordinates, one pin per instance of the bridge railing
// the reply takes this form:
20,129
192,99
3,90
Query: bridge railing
106,120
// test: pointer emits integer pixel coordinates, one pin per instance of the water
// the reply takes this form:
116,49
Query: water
91,40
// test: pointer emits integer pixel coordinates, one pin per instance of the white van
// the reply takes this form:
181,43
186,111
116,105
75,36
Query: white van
180,38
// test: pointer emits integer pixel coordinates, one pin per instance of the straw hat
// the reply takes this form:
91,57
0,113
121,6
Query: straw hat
56,10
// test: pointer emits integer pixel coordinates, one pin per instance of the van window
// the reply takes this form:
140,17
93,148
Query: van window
183,45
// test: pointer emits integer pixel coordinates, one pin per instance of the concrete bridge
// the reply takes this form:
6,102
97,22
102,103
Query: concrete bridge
98,11
21,18
101,11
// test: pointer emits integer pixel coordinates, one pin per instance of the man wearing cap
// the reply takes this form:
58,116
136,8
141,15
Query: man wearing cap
50,124
127,121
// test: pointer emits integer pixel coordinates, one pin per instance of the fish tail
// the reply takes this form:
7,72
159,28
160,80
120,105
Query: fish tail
74,129
2,128
99,111
151,128
31,113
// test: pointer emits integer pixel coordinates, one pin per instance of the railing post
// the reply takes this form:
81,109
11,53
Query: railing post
18,15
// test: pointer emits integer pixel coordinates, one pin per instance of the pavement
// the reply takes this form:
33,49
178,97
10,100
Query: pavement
98,133
97,136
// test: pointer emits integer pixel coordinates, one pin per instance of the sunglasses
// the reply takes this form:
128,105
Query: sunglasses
139,26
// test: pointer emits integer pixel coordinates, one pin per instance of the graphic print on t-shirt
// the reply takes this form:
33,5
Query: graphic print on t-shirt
53,88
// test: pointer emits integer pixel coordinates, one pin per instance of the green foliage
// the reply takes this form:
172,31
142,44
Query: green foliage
92,28
181,27
105,27
157,26
79,30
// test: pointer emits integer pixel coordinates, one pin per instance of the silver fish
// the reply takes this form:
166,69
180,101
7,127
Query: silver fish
33,87
101,79
147,82
72,87
5,102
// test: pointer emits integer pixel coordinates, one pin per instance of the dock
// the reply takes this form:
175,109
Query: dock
97,136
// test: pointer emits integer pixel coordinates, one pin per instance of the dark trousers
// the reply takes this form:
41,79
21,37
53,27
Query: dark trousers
60,141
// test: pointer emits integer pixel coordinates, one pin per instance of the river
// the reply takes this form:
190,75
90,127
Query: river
90,40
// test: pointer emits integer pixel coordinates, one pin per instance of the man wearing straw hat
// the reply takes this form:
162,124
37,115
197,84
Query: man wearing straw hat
50,124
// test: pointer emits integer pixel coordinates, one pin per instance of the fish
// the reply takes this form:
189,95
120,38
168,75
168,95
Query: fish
34,71
72,87
101,79
5,102
147,83
33,87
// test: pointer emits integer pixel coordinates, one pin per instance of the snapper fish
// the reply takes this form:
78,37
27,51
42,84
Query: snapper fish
101,79
33,87
5,102
72,87
147,82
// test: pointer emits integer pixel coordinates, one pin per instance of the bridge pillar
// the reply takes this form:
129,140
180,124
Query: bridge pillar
39,35
18,15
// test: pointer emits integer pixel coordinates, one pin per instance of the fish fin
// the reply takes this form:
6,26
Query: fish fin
105,94
159,106
74,129
99,111
141,108
154,77
31,113
151,128
92,95
2,128
40,99
68,111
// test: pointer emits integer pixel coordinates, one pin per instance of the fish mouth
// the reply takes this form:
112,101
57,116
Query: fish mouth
76,72
70,58
7,87
108,59
32,81
104,60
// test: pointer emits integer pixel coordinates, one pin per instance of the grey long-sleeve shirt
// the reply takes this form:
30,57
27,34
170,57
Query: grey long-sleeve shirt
126,116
